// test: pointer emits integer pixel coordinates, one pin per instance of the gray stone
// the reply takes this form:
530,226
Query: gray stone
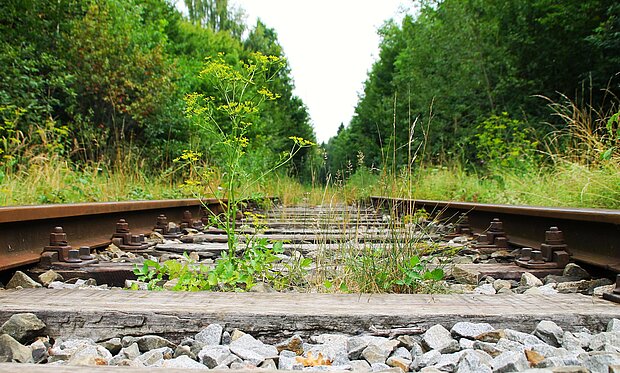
549,351
570,369
50,276
289,363
294,343
153,342
23,280
598,341
355,346
573,286
600,290
489,348
90,355
113,345
523,338
268,364
236,334
416,350
461,288
492,336
549,332
13,351
39,350
430,370
529,280
548,289
448,362
231,359
184,351
470,330
212,356
508,345
130,352
379,349
226,338
247,342
599,362
485,289
613,325
183,362
210,336
472,362
439,338
510,361
406,341
398,362
426,359
573,270
533,291
380,367
361,366
403,353
334,347
155,357
261,287
584,337
571,343
24,327
466,344
247,355
501,284
465,275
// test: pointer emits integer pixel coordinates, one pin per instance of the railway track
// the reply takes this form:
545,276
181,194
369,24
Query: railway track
29,239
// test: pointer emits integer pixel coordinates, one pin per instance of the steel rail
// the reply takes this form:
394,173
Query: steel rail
25,230
592,235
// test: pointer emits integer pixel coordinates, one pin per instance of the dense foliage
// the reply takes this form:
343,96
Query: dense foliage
464,80
104,81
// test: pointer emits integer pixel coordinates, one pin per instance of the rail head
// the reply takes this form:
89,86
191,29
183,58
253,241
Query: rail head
13,214
609,216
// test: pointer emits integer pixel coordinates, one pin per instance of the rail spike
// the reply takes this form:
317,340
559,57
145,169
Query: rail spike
494,239
60,254
553,253
124,240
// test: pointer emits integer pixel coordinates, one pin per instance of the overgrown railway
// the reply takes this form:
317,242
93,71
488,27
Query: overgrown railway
506,242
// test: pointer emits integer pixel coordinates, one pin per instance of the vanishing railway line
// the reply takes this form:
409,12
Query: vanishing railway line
591,235
67,237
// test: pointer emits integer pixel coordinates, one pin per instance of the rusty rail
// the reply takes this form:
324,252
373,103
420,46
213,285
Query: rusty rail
592,235
25,230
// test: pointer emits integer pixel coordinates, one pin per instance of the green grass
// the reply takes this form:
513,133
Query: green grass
568,184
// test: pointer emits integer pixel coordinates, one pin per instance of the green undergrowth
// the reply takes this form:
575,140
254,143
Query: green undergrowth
565,185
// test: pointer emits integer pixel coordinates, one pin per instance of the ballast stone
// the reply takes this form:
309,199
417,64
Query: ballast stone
470,330
13,351
20,279
439,338
183,362
549,332
24,327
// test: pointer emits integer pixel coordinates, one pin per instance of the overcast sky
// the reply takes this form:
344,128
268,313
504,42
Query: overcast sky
330,45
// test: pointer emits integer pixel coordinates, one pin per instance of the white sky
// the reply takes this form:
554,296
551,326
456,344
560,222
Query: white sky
330,45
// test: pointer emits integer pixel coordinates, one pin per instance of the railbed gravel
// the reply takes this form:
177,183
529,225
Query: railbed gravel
465,347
